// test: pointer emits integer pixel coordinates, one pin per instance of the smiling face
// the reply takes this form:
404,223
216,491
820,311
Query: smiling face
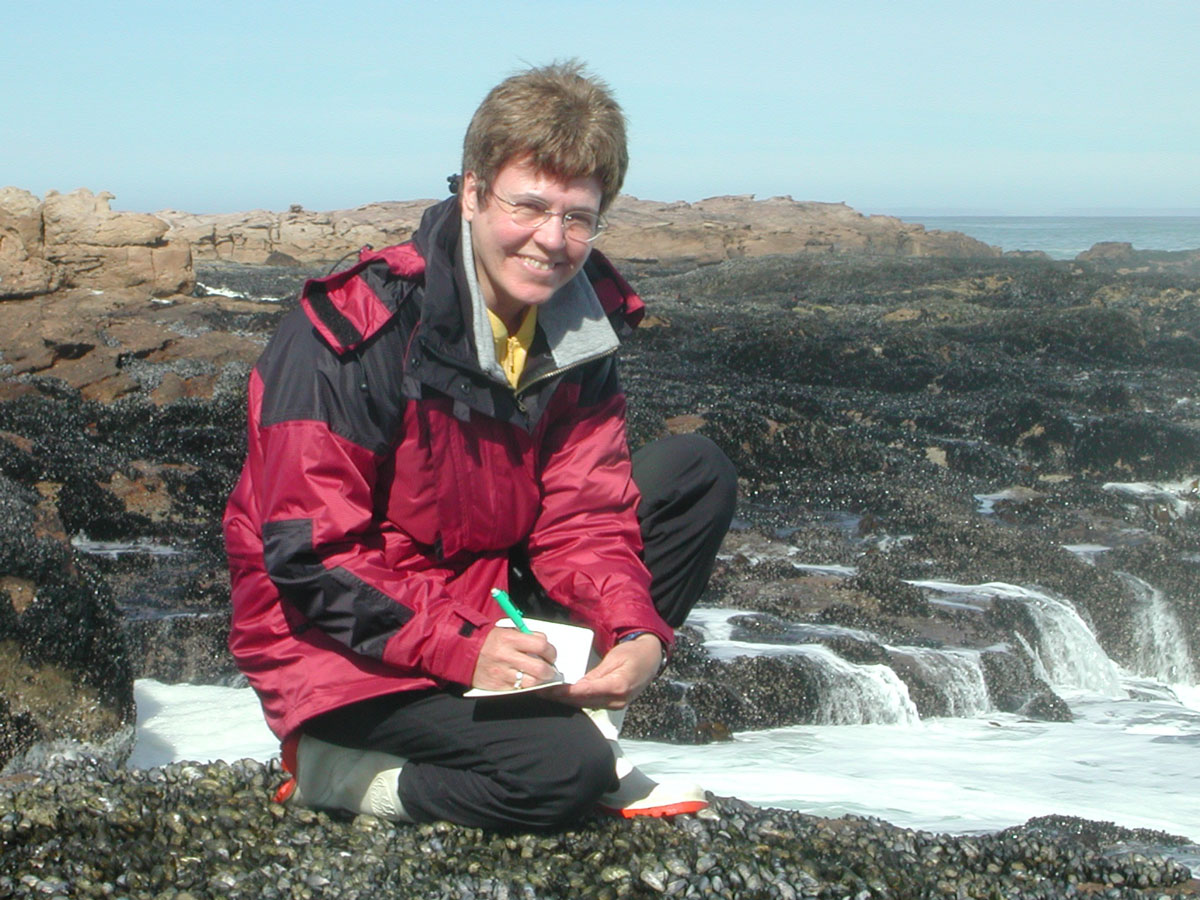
519,267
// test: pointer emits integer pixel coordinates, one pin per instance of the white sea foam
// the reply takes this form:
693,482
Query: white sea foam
713,622
811,569
1160,640
1067,651
235,295
956,674
1128,761
1087,552
115,549
1179,498
1122,761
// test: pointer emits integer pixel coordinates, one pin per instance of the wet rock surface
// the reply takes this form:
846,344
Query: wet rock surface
867,402
892,420
201,831
65,681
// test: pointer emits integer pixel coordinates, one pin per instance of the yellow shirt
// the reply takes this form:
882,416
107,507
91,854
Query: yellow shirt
512,350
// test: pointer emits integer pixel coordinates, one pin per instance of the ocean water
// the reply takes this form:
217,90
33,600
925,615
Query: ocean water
1064,237
1129,756
1129,760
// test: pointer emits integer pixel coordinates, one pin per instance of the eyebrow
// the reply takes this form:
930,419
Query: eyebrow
527,196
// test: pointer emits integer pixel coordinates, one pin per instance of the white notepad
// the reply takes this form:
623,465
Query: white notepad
573,643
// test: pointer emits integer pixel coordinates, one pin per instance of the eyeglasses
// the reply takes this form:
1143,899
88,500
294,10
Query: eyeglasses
578,224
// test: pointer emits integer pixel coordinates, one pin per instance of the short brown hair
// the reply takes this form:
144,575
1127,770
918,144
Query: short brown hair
563,120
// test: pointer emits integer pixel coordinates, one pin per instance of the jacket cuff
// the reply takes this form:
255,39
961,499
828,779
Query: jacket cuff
451,651
660,629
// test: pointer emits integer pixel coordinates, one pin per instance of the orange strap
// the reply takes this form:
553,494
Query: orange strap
288,760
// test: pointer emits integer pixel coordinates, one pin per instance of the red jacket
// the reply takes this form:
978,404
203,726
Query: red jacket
391,469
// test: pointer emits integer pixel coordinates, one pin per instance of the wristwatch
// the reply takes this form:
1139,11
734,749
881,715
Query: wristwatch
636,634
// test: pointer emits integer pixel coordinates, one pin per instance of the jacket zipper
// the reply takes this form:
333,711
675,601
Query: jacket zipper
558,371
450,363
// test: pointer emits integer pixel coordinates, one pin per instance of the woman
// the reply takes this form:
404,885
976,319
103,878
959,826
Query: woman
442,419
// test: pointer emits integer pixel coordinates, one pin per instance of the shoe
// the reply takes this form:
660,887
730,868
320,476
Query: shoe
638,794
327,776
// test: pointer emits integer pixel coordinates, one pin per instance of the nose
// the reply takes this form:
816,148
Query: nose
551,234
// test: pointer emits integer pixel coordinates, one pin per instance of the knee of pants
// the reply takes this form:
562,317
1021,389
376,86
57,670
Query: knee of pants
579,778
721,471
710,469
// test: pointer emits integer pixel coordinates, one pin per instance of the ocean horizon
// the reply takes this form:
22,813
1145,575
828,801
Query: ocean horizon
1065,237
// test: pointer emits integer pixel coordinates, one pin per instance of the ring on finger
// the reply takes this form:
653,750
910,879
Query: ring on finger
520,678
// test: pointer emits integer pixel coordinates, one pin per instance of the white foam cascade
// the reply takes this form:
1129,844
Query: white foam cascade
848,693
855,694
1068,654
1067,649
957,674
1161,649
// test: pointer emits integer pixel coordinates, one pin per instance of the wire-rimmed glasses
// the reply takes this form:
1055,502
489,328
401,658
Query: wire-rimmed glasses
578,224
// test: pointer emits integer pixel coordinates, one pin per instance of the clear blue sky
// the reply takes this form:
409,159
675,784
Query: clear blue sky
1015,107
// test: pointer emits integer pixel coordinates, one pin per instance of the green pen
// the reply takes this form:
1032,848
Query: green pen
509,607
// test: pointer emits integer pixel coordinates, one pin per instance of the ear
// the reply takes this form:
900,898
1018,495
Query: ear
468,196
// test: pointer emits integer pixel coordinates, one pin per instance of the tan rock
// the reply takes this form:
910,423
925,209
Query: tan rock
46,522
217,347
89,342
685,424
144,496
21,591
24,271
723,227
14,390
76,240
1107,251
82,217
21,210
260,236
707,231
904,314
174,387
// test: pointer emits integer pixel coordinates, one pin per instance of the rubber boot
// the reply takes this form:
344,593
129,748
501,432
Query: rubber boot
638,794
363,782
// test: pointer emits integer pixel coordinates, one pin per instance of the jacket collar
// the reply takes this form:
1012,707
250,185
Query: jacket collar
348,307
573,320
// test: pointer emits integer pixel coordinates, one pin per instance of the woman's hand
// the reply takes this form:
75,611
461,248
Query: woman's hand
507,652
623,674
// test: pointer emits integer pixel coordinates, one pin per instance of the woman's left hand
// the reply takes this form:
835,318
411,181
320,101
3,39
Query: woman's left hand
623,674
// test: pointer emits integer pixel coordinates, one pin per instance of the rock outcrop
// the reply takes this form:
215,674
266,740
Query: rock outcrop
728,227
297,236
66,687
106,345
76,241
704,232
1122,257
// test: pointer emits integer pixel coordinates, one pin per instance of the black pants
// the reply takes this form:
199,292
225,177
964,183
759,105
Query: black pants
526,762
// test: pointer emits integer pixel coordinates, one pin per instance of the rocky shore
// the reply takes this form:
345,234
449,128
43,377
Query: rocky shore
869,398
197,831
